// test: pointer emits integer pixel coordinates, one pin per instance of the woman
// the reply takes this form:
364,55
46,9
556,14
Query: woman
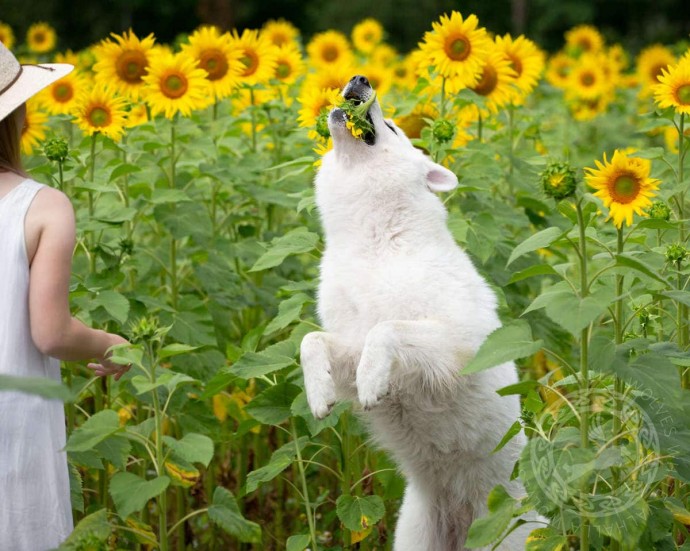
37,238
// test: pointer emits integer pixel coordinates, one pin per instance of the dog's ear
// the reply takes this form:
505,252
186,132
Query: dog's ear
439,178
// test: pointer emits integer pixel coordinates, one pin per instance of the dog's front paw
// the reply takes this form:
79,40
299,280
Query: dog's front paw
373,384
320,395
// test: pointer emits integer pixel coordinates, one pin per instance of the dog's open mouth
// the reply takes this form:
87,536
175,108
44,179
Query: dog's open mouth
359,97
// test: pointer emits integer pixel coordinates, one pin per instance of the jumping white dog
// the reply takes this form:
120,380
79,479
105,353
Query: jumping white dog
404,309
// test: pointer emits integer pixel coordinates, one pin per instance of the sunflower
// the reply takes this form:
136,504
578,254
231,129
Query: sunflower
322,147
404,75
123,62
457,48
379,76
384,54
101,111
315,102
61,97
673,89
216,55
558,68
174,83
289,64
651,61
496,82
587,78
280,32
618,56
6,35
329,48
587,109
137,114
623,185
417,120
366,35
671,138
258,56
333,77
34,129
67,56
41,38
583,39
526,59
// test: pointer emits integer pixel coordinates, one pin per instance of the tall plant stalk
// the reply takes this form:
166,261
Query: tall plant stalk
173,241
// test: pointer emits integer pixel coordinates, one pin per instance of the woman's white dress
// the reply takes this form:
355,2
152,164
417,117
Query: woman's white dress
35,511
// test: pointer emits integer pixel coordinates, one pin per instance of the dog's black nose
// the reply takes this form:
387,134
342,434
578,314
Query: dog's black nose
359,79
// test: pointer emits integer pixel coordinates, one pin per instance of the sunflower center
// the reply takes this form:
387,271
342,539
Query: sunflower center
587,79
330,53
174,85
625,189
131,66
585,44
63,92
251,63
516,64
683,94
214,63
458,48
488,82
39,37
99,117
283,70
655,71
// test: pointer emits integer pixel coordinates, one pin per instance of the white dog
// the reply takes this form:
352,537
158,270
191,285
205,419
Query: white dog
404,310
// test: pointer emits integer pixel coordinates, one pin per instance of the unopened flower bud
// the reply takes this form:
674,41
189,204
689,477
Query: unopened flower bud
56,149
558,180
322,125
676,253
443,130
659,211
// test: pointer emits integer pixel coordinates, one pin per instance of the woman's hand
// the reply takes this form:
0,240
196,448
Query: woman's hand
106,367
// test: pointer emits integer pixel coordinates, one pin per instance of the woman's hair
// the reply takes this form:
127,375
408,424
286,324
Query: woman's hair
10,157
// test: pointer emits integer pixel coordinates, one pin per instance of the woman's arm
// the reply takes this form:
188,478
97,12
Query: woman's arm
50,236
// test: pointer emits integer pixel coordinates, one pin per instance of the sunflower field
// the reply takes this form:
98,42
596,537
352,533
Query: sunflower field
190,167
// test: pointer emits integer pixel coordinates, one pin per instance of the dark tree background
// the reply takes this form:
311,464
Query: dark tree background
634,23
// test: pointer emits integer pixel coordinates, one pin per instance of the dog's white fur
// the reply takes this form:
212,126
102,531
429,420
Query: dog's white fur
403,310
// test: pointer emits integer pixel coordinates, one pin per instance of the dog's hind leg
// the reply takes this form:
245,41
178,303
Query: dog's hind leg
416,529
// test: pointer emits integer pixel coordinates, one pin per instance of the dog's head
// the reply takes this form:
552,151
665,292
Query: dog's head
384,139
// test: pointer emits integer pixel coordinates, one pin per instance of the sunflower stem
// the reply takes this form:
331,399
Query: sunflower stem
92,172
173,241
305,487
479,125
681,157
252,111
443,97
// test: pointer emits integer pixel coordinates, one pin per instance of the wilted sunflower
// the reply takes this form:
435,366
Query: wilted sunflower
216,55
673,89
61,96
457,48
123,62
623,185
496,82
366,35
526,59
583,39
174,83
280,32
101,111
651,61
329,48
258,56
41,38
34,129
6,35
289,64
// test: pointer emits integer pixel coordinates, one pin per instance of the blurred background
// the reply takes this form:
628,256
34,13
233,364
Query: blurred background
79,23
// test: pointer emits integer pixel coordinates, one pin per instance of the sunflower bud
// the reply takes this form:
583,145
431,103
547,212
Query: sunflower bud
676,253
443,130
56,149
322,125
558,180
659,211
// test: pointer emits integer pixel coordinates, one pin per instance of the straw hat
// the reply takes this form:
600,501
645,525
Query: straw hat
19,82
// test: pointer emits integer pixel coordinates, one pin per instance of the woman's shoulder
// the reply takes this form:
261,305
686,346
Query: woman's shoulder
50,200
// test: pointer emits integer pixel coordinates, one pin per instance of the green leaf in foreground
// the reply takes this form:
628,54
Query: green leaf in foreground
537,241
510,342
193,447
358,513
272,406
488,529
96,429
131,492
225,513
298,542
40,386
296,241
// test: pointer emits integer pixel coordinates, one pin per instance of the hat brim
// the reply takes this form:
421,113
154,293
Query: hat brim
32,80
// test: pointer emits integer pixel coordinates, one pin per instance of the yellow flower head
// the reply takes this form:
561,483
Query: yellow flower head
618,56
526,60
289,64
121,63
583,39
329,48
404,75
379,76
280,32
258,56
414,122
558,68
322,147
384,54
498,77
99,110
651,61
587,79
61,97
673,89
332,77
623,185
34,129
68,56
136,115
314,102
366,35
6,35
216,55
41,38
175,84
457,48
